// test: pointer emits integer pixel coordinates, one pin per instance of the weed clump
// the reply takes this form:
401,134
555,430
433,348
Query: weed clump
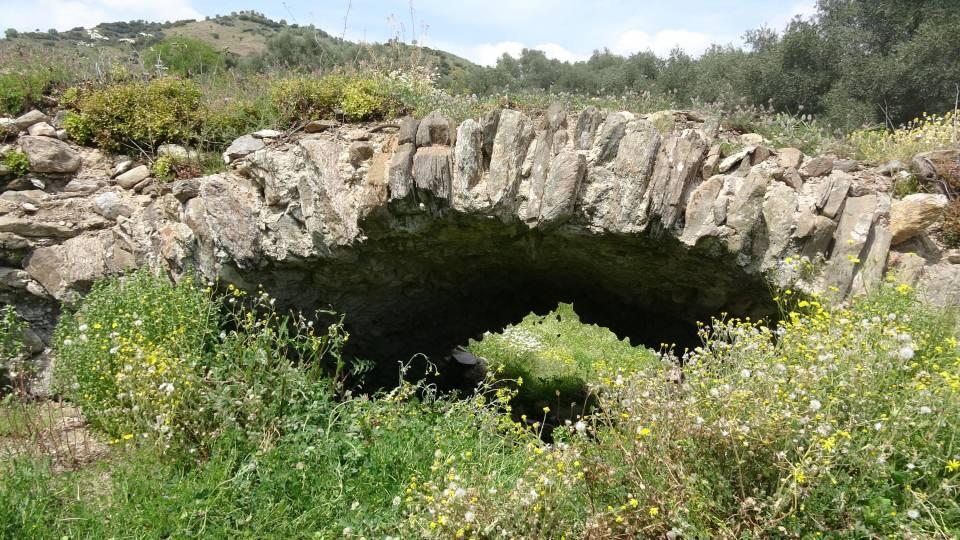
136,116
923,134
16,162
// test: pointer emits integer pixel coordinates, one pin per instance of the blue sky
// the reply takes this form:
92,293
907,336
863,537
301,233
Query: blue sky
480,30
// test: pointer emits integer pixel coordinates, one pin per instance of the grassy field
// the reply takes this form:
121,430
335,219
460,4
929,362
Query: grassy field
836,422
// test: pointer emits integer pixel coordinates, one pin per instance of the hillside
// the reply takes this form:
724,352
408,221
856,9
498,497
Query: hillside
243,37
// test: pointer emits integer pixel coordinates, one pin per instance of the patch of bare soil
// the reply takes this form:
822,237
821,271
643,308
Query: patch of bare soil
48,429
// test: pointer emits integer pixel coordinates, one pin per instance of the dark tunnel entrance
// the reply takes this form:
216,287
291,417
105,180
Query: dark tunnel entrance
426,285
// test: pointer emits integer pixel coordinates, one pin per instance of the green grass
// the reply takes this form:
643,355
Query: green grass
837,422
555,357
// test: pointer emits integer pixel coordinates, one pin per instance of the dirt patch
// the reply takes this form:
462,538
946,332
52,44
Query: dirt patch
48,429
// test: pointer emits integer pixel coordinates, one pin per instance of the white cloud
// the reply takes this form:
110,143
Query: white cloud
67,14
487,53
661,43
553,50
806,10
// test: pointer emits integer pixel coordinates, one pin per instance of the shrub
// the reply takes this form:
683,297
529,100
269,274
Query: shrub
306,98
555,357
149,359
364,100
187,57
138,115
17,162
929,132
24,87
170,167
11,345
225,122
130,355
951,224
837,420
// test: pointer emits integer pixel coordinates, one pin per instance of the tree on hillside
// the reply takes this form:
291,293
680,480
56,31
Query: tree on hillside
186,56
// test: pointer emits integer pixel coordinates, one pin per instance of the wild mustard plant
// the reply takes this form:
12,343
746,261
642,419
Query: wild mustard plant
837,419
923,134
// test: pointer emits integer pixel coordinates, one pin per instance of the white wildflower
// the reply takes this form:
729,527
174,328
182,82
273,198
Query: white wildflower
913,513
815,405
906,352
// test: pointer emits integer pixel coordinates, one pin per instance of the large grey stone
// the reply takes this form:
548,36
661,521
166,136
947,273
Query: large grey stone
49,155
816,167
242,147
912,215
433,170
110,206
30,118
436,129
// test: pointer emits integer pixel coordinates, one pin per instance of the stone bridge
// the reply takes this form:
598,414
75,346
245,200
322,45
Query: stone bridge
426,233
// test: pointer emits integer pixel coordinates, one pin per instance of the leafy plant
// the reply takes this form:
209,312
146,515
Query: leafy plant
186,57
16,162
137,115
951,224
923,134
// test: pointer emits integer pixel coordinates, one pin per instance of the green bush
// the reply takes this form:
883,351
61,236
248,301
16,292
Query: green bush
187,57
307,98
138,115
363,99
22,89
951,224
224,122
359,97
149,359
130,355
17,162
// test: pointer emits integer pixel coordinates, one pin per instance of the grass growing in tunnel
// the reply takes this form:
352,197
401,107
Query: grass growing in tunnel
554,357
839,421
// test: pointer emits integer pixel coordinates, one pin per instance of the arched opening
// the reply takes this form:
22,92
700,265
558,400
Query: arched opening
425,284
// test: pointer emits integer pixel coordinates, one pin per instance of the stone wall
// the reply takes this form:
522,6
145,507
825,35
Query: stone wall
426,233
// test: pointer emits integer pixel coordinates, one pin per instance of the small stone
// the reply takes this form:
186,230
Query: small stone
846,165
133,177
408,130
436,130
29,207
31,118
267,134
175,151
145,183
184,190
317,126
357,135
241,147
751,139
82,185
122,167
732,161
891,168
792,178
110,206
760,155
42,129
62,134
789,158
816,167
